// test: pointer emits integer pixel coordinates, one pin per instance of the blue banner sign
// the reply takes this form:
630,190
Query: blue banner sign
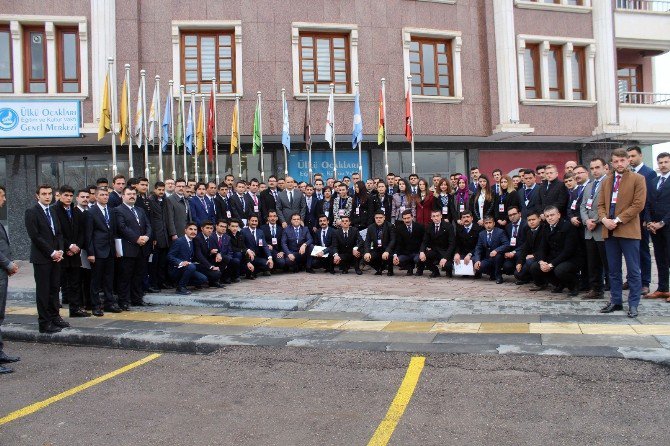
40,119
322,162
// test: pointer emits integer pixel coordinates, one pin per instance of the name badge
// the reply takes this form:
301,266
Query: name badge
255,208
358,210
589,203
445,209
244,221
341,213
615,195
573,206
501,208
327,213
260,242
382,209
512,241
274,240
228,214
402,209
461,207
379,242
526,202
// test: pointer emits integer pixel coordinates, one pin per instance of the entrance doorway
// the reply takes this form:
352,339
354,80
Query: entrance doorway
76,171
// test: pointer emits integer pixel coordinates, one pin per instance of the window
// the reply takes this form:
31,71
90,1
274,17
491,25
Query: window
430,67
6,79
532,71
68,60
575,2
35,60
630,78
207,55
555,58
324,59
578,73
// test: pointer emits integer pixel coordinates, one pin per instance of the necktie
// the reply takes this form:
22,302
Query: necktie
106,216
297,234
409,229
437,229
190,248
253,233
244,206
220,242
51,222
137,217
69,213
207,242
615,189
255,199
467,229
514,229
274,195
202,200
488,238
290,198
273,230
346,235
323,237
660,183
551,228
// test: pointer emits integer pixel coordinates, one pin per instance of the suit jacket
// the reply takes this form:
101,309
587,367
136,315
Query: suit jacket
256,206
439,205
345,246
223,246
268,204
158,214
202,212
290,244
311,220
327,240
5,250
559,245
499,242
286,209
490,207
179,213
520,236
340,211
267,231
553,194
114,199
129,230
575,197
240,207
385,203
253,244
399,201
424,209
100,236
180,252
467,241
630,203
387,237
221,208
73,232
443,242
529,200
143,202
43,241
658,204
237,243
588,209
407,243
324,207
506,200
202,250
531,245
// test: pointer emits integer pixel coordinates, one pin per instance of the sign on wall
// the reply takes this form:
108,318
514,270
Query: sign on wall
39,119
322,162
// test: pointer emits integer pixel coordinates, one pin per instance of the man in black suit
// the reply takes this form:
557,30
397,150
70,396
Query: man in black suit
258,254
269,198
273,233
134,230
116,195
657,218
530,249
240,203
347,247
529,198
310,221
379,245
7,268
221,207
205,255
409,237
46,253
516,234
158,214
225,259
324,237
491,246
553,192
438,246
101,254
72,227
467,234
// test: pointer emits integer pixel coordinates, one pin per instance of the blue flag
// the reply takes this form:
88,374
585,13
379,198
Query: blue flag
285,136
167,118
190,134
357,135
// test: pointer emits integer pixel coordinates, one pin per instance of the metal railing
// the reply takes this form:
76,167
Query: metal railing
642,98
644,5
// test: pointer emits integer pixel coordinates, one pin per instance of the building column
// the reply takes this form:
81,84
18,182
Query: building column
103,44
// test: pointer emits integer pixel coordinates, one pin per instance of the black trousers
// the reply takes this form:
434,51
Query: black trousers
581,260
85,276
597,262
301,261
158,268
347,260
563,275
524,275
662,253
212,276
432,259
323,262
47,285
493,266
230,268
409,261
102,282
378,264
70,282
509,265
133,270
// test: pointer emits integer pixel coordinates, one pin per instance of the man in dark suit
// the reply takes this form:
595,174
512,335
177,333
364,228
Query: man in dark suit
273,236
240,204
158,214
290,201
347,247
553,192
297,243
46,253
7,268
101,252
409,237
116,195
254,199
491,246
474,179
438,246
134,229
324,237
179,211
467,235
529,250
555,260
181,259
142,189
516,234
269,198
379,245
310,221
257,251
72,227
221,208
225,258
82,208
237,244
658,222
205,255
529,198
200,207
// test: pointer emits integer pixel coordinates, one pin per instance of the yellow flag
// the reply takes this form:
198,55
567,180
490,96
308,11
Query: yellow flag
234,136
200,132
123,113
105,113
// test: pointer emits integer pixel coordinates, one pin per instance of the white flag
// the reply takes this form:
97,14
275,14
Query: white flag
139,115
152,114
330,120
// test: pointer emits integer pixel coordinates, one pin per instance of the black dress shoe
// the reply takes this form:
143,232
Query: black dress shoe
50,329
573,292
79,313
153,290
236,280
113,309
390,273
182,291
345,271
250,277
499,281
267,273
557,290
610,308
410,272
226,281
310,271
632,312
538,288
378,272
434,274
59,322
98,312
5,359
521,282
358,271
5,370
419,272
216,285
124,307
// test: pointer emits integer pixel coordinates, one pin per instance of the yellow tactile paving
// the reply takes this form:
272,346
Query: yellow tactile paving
210,320
503,327
607,329
419,327
456,327
364,325
283,323
21,310
240,321
657,330
322,324
554,328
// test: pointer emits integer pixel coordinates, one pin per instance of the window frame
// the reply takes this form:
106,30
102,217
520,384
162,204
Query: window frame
10,79
27,54
185,32
639,82
580,51
560,80
584,6
450,64
60,60
347,61
534,49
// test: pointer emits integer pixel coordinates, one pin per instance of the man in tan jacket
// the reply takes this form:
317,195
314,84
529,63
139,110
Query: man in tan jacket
619,205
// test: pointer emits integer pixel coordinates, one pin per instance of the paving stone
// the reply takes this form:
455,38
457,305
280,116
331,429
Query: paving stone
293,333
600,340
382,336
546,350
310,343
493,339
507,318
210,329
659,355
664,341
140,325
340,315
479,349
589,319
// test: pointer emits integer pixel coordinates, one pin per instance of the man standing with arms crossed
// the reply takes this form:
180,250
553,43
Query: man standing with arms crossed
7,268
620,202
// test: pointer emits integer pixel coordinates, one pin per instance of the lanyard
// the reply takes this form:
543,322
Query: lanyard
594,189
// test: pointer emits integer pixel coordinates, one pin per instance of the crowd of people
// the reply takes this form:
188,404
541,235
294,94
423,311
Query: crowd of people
104,247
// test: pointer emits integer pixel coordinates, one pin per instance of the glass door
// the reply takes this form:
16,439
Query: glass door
76,171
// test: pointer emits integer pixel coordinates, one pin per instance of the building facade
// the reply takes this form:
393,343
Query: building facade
502,83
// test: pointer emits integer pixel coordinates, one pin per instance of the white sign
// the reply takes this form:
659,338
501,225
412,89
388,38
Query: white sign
40,119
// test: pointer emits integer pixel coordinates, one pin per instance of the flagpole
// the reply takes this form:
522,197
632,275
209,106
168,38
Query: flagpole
239,138
183,129
204,136
112,100
174,166
159,126
143,78
386,152
309,144
216,136
283,98
360,152
332,91
411,119
260,125
194,135
131,169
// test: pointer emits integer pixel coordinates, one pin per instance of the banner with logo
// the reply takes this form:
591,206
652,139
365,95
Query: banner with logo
322,162
40,119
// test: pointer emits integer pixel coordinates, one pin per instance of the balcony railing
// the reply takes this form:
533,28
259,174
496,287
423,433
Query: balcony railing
644,5
641,98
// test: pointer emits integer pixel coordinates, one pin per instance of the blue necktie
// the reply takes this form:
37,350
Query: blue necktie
51,222
69,213
660,183
106,217
488,239
137,217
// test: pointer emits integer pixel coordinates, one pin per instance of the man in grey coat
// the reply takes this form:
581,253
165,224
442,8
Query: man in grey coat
595,245
290,201
178,210
7,268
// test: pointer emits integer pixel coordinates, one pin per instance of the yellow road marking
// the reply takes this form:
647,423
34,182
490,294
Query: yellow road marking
386,428
42,404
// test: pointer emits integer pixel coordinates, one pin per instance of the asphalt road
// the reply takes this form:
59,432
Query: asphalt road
291,396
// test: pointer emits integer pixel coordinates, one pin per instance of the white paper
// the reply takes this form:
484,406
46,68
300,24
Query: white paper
317,249
461,269
84,259
118,245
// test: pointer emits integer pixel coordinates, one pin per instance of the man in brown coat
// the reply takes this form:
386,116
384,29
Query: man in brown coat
619,205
